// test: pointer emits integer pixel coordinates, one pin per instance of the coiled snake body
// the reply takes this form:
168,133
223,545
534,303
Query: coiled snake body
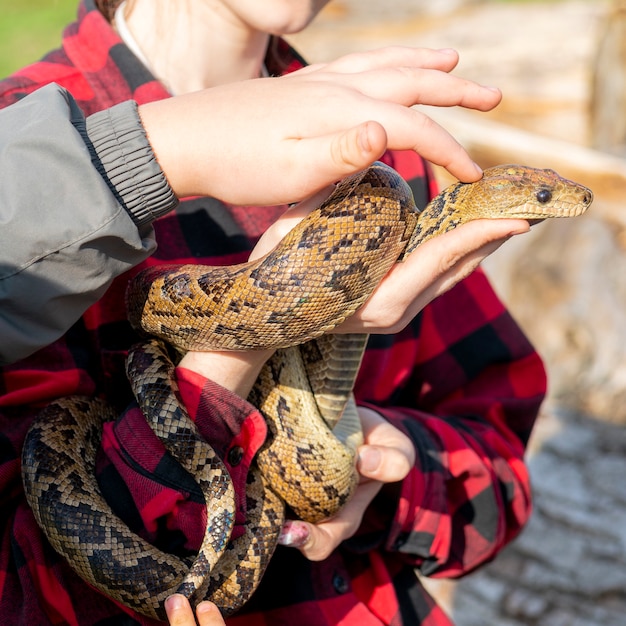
318,276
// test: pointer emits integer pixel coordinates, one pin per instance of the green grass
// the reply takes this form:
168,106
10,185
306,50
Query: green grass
30,28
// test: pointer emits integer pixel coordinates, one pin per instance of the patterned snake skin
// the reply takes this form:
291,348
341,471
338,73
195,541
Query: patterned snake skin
317,277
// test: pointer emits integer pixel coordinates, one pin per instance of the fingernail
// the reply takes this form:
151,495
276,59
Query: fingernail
447,51
174,602
478,169
519,231
369,459
294,534
204,607
496,89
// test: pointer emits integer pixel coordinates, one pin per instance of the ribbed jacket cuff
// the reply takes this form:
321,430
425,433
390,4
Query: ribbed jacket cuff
122,154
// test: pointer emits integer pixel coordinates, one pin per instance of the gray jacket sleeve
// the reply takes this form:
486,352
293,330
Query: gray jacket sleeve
77,197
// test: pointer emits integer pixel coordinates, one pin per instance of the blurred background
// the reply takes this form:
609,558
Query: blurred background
562,67
29,28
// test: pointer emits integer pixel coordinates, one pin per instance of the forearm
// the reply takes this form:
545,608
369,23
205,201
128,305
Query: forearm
235,371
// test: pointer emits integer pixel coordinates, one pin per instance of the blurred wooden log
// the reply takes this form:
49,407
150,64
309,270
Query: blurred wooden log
492,143
608,97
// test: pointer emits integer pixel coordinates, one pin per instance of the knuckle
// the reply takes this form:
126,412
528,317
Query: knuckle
449,258
319,553
398,468
391,321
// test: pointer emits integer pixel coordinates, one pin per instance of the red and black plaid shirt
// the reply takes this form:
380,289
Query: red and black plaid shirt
462,381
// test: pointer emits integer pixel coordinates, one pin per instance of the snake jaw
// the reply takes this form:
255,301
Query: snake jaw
537,212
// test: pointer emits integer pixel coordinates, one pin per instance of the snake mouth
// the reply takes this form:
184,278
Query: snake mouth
572,209
535,213
537,216
566,211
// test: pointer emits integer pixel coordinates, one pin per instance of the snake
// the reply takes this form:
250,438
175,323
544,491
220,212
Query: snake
288,301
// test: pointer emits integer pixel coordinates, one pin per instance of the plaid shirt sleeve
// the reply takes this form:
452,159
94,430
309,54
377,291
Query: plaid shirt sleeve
463,382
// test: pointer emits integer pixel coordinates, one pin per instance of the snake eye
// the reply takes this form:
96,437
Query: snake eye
544,195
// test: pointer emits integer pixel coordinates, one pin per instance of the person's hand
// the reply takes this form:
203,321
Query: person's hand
426,273
387,456
430,270
180,613
279,140
238,371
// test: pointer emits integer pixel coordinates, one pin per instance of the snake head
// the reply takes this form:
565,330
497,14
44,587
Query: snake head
504,191
517,191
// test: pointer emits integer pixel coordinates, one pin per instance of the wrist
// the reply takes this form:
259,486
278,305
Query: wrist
235,371
121,152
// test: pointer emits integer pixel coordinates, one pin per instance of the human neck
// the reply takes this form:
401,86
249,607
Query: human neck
196,47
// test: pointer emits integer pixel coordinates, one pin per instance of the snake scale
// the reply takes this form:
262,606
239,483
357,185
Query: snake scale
323,270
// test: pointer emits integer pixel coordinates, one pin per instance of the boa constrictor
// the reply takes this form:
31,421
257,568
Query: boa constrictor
319,275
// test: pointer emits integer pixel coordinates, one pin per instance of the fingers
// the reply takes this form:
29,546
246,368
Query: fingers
378,125
391,80
387,456
358,147
392,56
432,269
461,260
393,93
415,85
386,465
456,254
342,153
209,615
392,126
437,145
179,612
318,541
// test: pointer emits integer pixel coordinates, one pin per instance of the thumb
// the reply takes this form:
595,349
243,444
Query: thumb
348,151
381,463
